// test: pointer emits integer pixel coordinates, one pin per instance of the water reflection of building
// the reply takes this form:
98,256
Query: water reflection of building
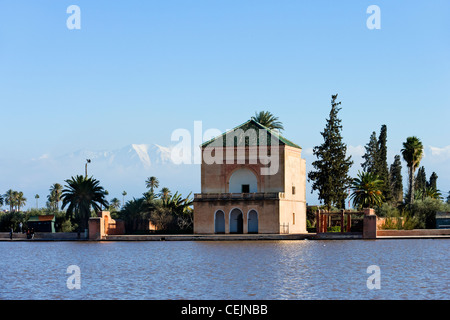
253,180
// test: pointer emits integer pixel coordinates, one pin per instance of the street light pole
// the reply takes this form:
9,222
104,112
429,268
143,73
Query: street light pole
85,168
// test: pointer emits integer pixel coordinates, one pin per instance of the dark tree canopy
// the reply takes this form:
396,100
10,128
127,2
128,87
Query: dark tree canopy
330,175
375,160
268,120
371,154
433,181
381,163
421,179
396,179
80,195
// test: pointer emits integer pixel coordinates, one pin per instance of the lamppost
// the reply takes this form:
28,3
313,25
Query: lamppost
85,168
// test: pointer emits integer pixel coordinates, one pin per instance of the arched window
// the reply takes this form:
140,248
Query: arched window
243,181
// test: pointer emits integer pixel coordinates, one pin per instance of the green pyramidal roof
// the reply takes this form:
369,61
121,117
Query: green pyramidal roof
242,135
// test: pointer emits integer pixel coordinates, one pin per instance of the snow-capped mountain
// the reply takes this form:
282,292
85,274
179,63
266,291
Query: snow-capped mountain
134,155
126,168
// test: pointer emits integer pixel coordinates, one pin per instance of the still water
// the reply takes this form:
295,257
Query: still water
266,270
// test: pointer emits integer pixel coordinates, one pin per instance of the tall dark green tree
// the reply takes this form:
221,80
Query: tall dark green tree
371,154
433,181
396,180
330,177
381,166
420,182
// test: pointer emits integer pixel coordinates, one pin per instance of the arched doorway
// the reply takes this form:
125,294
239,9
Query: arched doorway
219,222
236,221
252,221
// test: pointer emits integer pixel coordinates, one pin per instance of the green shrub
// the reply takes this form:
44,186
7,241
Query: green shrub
387,210
334,229
390,223
424,212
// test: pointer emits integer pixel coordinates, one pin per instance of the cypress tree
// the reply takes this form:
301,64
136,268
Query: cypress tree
371,154
433,181
330,177
381,166
421,179
396,180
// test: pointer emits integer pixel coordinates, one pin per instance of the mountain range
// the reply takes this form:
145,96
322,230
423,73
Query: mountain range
144,156
123,169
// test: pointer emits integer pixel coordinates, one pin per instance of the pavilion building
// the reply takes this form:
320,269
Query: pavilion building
253,180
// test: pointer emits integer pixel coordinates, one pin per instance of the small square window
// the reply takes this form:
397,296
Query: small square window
245,188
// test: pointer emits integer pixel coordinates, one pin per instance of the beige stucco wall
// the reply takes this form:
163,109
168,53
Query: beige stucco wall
294,204
271,213
268,217
215,176
287,210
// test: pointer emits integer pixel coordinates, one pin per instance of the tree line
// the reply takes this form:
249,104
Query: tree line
82,197
166,211
378,185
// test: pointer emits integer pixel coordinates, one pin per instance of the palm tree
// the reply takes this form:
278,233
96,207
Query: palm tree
1,200
428,192
106,194
37,203
10,199
178,204
133,213
80,194
152,183
55,195
21,200
123,197
164,193
114,204
367,190
15,196
412,153
268,120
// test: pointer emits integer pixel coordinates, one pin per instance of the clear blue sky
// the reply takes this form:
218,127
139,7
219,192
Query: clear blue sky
138,70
